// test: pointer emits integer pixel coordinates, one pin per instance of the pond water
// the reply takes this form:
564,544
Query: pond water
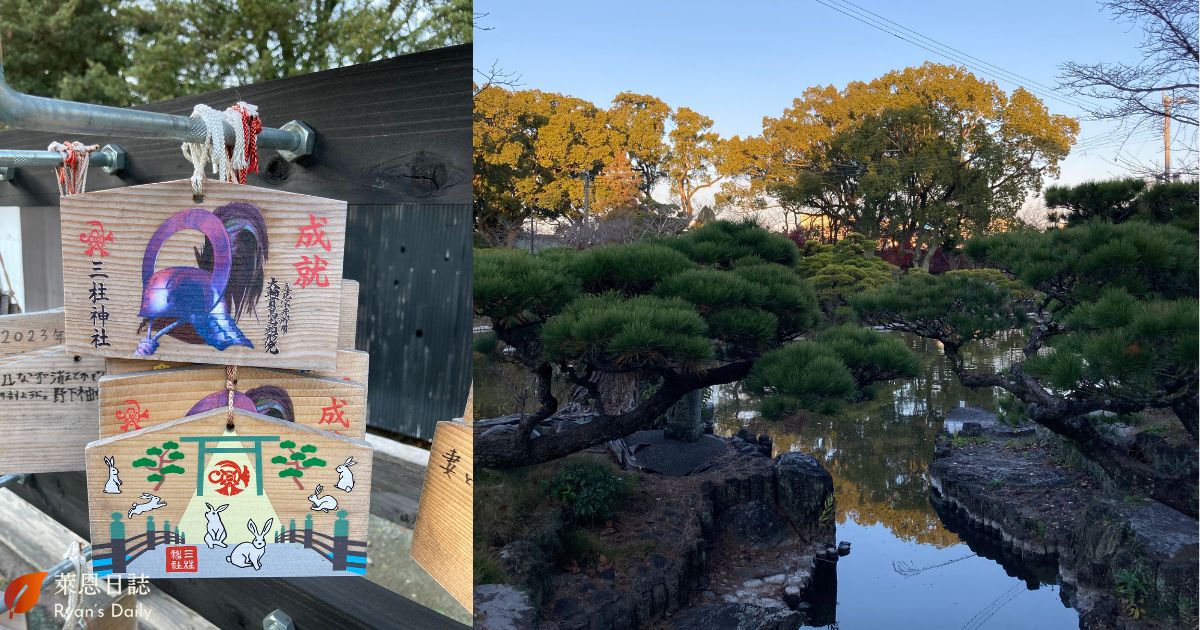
907,568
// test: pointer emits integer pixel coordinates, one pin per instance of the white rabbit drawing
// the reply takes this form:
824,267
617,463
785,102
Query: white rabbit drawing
214,536
345,475
113,485
151,503
249,554
322,503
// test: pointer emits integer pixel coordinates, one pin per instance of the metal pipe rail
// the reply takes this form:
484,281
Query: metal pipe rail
110,157
53,572
23,111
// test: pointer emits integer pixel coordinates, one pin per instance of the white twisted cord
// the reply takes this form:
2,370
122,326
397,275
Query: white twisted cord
212,149
75,555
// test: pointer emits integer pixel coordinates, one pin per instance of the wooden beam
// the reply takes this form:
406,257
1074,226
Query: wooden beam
391,131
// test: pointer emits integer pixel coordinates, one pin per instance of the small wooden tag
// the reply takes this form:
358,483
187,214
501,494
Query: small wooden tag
137,400
442,537
248,276
187,498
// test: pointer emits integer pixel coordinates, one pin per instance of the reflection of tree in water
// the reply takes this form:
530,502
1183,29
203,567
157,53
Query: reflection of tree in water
878,451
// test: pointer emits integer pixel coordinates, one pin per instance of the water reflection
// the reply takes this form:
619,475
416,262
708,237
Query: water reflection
878,452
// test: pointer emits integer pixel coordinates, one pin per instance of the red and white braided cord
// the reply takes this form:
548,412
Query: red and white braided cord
72,175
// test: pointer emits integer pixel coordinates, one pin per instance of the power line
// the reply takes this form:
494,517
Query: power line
952,57
1081,102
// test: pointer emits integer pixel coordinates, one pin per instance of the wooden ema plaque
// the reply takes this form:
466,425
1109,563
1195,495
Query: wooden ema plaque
49,400
352,366
250,276
188,498
138,400
442,536
24,332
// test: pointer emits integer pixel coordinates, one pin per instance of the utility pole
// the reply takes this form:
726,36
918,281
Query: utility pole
1166,137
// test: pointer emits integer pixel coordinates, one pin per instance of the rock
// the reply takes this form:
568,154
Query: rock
737,617
526,566
752,583
776,579
660,454
843,548
769,602
754,524
792,599
502,607
730,599
803,486
709,595
792,590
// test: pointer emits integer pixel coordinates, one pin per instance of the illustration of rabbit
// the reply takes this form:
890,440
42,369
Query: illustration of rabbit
249,554
322,503
215,534
345,475
151,503
113,485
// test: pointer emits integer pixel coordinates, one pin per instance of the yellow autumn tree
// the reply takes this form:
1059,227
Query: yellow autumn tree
919,158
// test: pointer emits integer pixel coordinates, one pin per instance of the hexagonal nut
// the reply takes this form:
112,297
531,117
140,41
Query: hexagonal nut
308,139
278,620
116,158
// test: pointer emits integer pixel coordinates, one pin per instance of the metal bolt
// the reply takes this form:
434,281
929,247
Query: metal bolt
307,139
116,158
8,480
278,620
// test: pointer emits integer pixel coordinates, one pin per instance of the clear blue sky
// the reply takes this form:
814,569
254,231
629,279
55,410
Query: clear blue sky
739,61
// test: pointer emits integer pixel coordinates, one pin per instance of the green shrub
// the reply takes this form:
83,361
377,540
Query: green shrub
589,491
486,344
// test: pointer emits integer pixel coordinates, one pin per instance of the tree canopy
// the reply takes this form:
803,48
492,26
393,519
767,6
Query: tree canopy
121,53
1110,316
1120,200
534,150
919,158
717,304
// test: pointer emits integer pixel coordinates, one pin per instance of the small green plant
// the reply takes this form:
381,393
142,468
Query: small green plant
996,483
486,344
958,440
1132,588
164,464
488,569
589,491
827,510
1185,607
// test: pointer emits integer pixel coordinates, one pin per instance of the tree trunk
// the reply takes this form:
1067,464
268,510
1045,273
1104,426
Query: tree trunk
500,443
